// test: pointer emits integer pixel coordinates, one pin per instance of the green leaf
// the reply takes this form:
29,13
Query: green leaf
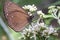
48,20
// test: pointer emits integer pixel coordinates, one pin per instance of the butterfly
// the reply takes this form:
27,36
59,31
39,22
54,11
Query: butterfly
16,16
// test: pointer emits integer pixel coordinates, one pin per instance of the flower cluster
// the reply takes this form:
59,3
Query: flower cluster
39,30
55,12
31,8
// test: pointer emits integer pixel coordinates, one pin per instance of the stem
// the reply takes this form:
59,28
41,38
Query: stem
4,26
45,38
47,16
34,36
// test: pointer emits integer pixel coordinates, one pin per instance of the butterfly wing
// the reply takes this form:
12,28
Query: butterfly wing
17,17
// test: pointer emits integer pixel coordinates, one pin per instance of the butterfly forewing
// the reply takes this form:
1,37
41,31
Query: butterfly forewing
17,17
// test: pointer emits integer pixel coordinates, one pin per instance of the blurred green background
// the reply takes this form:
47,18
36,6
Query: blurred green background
41,4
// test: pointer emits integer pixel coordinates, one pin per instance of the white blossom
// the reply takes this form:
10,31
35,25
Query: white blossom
29,13
50,30
36,28
41,24
31,8
40,28
24,32
53,11
58,7
58,21
56,34
25,7
51,7
45,32
40,13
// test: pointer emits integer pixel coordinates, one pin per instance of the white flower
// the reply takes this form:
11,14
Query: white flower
31,8
29,13
28,34
31,36
51,30
24,32
40,12
25,7
36,28
42,24
51,7
53,11
30,30
58,21
56,34
45,32
58,7
26,29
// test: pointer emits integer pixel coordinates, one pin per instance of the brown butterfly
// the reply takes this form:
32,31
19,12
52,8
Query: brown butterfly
16,16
